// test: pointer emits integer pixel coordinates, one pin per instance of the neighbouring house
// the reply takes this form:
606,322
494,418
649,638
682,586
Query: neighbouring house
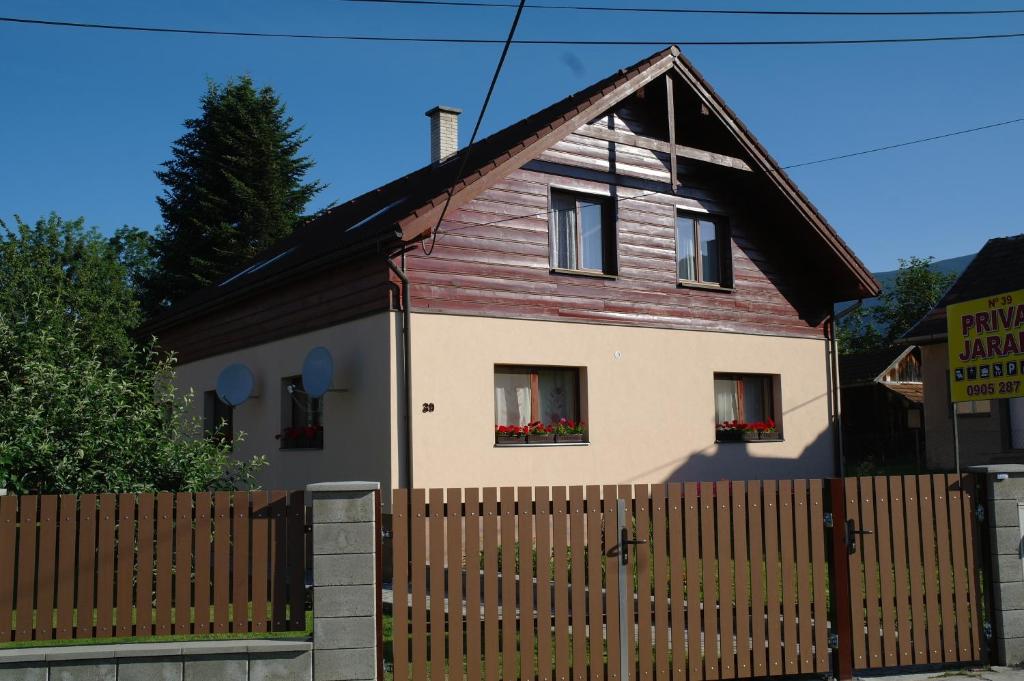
882,398
630,258
991,431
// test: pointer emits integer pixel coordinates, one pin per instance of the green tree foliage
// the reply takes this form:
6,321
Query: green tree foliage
84,408
916,289
233,187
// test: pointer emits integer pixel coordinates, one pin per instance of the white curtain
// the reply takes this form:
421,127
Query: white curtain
727,406
558,393
1017,423
511,399
563,227
685,247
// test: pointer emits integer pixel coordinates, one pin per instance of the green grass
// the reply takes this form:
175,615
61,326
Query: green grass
172,638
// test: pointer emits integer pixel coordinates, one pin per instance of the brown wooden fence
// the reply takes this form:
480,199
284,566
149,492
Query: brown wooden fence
114,565
729,582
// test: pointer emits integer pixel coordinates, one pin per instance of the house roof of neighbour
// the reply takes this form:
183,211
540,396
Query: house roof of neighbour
997,268
406,209
862,368
912,392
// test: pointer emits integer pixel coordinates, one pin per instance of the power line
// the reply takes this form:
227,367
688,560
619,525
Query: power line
702,10
498,41
479,120
905,144
873,150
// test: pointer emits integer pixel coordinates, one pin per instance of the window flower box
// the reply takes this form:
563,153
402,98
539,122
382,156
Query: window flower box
570,437
738,431
540,438
308,437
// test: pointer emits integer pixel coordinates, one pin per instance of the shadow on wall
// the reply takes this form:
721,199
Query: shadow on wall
734,461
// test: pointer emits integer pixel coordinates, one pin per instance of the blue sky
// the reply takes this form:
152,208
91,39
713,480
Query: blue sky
87,116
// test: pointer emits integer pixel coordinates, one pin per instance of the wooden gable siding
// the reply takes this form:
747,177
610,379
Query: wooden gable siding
348,291
503,269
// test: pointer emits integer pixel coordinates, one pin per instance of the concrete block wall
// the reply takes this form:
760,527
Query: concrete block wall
1005,488
250,660
345,536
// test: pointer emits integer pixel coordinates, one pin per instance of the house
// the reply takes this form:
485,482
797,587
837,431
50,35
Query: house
882,397
629,257
991,431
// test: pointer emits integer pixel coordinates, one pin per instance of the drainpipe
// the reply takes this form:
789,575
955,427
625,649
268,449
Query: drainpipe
837,412
407,364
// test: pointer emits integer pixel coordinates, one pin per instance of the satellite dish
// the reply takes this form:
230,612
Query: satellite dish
235,384
318,372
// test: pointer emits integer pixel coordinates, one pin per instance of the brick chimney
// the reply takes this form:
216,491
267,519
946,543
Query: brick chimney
444,132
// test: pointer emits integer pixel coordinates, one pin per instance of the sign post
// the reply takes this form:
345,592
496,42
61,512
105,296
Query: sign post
985,338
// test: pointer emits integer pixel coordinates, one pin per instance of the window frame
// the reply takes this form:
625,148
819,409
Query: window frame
533,370
288,417
773,397
609,235
724,237
218,433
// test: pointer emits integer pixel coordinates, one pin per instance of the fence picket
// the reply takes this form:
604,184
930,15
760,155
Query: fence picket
474,579
914,558
974,559
203,549
542,518
28,516
240,531
490,585
887,586
65,567
802,531
742,563
694,596
726,585
611,557
417,533
818,570
454,588
944,559
507,568
861,660
222,561
144,584
526,624
924,495
956,540
709,571
259,564
758,637
563,649
164,558
298,558
578,583
278,558
643,581
625,492
125,578
8,537
400,584
676,598
659,554
900,568
45,578
435,553
788,560
183,563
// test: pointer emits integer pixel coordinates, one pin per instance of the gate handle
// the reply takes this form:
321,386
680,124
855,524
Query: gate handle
851,533
624,542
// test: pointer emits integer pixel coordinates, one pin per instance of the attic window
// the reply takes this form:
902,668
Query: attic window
703,255
582,233
256,266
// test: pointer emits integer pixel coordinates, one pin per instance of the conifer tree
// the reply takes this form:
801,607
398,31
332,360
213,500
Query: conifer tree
233,186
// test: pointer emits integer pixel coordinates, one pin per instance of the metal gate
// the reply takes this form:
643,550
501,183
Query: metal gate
677,581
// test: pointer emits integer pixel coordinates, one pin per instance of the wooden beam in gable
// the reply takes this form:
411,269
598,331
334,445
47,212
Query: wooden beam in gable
653,144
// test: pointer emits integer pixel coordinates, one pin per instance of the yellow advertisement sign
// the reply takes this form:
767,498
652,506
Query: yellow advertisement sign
986,347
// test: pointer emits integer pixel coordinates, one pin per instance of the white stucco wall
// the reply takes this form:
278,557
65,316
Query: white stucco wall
359,437
650,408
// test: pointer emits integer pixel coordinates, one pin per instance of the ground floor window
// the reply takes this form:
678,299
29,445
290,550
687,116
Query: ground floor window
746,407
301,417
537,402
218,417
1015,408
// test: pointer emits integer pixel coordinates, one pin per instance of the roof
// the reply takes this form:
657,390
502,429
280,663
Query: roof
995,269
914,392
407,208
861,368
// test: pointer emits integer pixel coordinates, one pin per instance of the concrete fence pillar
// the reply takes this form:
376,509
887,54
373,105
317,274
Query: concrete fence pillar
1005,492
345,539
